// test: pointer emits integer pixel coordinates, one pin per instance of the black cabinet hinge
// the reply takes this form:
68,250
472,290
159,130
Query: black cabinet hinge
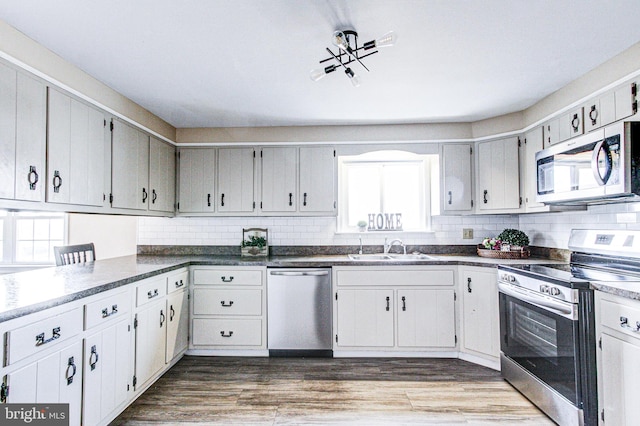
336,338
471,203
455,339
111,126
254,153
634,89
520,201
336,295
135,322
455,296
178,206
519,142
105,123
135,380
260,204
600,343
470,150
254,204
110,198
634,106
602,415
334,153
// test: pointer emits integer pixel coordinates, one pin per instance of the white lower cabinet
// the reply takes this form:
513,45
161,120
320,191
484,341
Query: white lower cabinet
177,324
107,373
151,337
56,378
618,358
394,308
228,309
480,317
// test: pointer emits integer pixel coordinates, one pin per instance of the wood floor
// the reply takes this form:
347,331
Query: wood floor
324,391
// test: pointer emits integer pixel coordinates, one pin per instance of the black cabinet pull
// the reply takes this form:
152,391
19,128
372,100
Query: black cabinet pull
593,115
404,303
225,280
222,302
93,362
469,284
106,313
450,197
144,195
32,178
154,196
162,318
575,122
172,313
71,371
387,303
485,196
179,284
222,200
226,335
57,181
208,200
304,202
290,199
55,334
151,295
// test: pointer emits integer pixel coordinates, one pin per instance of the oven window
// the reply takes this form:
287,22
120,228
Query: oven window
534,331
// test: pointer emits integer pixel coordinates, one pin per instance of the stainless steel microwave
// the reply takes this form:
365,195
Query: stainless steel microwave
601,166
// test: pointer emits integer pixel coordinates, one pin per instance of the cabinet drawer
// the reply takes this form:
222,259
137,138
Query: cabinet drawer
208,301
227,277
227,332
386,277
621,317
99,312
177,281
30,339
150,290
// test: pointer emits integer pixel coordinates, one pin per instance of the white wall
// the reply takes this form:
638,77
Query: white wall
113,236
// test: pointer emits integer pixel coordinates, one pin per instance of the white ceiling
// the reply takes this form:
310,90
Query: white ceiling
221,63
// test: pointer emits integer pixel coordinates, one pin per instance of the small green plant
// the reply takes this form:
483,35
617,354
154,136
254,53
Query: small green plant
514,237
255,241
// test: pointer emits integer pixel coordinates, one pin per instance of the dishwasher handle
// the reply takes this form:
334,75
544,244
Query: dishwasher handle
300,273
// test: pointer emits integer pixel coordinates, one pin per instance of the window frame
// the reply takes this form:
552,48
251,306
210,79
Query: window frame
9,242
428,169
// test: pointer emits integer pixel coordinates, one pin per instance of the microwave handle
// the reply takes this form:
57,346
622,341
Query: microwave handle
601,146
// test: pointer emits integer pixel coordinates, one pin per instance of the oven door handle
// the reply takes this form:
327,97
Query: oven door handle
557,307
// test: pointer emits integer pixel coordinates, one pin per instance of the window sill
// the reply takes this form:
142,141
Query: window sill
382,232
12,269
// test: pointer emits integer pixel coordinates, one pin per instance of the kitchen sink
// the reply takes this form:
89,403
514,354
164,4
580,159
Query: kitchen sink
390,257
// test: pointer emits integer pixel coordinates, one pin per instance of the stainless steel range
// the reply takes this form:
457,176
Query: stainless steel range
547,329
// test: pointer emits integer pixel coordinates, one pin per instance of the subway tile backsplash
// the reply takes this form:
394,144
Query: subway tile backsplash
544,229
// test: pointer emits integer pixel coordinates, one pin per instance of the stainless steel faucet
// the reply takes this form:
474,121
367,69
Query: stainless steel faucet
387,247
360,252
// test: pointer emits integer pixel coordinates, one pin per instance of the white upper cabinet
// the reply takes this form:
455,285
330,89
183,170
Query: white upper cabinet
130,167
196,180
456,162
531,144
162,175
599,111
279,173
497,177
22,135
76,152
317,180
236,180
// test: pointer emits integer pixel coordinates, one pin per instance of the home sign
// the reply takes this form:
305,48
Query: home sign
385,222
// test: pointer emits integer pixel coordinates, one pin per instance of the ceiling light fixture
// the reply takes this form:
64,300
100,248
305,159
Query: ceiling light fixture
348,51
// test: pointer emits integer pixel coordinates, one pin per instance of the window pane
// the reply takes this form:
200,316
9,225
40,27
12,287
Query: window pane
24,229
402,186
364,192
56,230
24,251
41,229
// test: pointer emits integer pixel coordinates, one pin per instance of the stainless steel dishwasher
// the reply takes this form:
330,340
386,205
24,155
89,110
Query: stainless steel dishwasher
299,312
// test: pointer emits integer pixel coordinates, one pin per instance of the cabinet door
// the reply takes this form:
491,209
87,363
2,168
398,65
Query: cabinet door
552,132
619,377
8,93
162,175
130,167
480,318
31,135
529,169
317,168
235,180
107,372
151,337
178,324
457,167
498,180
279,167
365,318
426,318
196,187
625,98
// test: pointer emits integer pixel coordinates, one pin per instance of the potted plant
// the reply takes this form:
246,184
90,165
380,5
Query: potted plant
254,242
515,238
362,225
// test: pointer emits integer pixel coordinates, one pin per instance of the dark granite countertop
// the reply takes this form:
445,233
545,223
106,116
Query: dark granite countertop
28,292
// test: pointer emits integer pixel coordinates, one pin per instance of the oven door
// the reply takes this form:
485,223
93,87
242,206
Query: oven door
541,339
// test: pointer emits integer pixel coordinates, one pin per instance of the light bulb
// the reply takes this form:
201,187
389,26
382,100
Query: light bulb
387,40
340,40
355,80
317,74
